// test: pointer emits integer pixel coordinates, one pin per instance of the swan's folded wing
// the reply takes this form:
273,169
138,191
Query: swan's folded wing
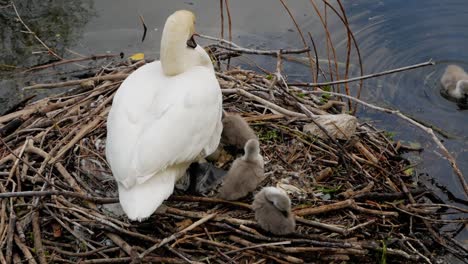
188,127
127,118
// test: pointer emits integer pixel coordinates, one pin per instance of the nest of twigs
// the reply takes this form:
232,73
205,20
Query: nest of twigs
354,199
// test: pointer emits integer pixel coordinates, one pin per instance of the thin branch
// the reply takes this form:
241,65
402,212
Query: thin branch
102,200
368,76
65,61
311,61
34,34
145,29
176,235
263,52
110,77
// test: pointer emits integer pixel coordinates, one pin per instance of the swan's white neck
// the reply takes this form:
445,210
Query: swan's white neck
176,56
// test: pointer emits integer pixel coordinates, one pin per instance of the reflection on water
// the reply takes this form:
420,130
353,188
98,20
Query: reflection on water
390,33
58,23
398,33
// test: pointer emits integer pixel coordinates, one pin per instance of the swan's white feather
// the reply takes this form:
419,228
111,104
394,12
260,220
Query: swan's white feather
156,127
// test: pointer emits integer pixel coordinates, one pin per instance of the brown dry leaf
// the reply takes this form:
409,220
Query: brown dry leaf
183,224
223,158
57,230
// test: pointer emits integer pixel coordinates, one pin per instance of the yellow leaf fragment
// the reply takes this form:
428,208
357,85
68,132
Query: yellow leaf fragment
137,56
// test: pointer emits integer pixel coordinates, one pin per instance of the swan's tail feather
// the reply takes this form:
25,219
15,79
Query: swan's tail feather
141,200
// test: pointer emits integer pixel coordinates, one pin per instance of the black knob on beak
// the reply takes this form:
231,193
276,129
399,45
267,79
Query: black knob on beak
191,43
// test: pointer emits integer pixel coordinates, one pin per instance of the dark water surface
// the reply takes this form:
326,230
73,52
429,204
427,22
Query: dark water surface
390,33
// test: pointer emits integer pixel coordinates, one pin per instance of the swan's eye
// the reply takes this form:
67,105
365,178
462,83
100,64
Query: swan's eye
191,43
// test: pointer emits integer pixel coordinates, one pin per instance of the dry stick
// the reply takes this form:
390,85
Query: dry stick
83,132
311,61
34,34
104,249
348,54
43,106
110,77
145,28
219,218
16,259
149,259
176,235
61,62
77,188
74,233
352,251
220,40
417,252
317,61
207,200
328,40
229,28
258,246
276,254
39,249
344,19
266,103
29,165
3,260
15,164
221,11
262,52
122,244
413,122
330,45
180,255
27,254
231,46
368,76
101,200
324,208
341,205
360,225
332,228
249,252
10,236
276,77
3,217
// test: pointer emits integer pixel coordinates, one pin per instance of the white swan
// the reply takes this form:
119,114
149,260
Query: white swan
164,116
455,83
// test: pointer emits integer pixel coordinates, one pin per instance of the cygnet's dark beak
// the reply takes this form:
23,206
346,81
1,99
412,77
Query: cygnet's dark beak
285,213
191,42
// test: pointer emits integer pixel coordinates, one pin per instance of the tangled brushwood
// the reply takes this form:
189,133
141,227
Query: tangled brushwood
353,197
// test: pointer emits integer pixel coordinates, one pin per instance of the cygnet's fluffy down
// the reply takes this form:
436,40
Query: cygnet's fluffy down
455,83
236,131
245,174
272,208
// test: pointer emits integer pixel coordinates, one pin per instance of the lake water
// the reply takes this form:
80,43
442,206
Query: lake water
390,34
